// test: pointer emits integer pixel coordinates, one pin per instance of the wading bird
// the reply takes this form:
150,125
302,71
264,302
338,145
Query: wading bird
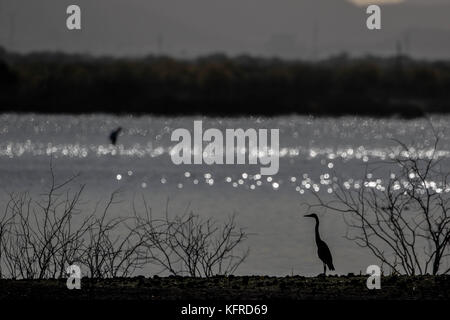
114,134
322,249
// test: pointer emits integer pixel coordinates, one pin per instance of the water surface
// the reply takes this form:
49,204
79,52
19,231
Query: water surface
315,153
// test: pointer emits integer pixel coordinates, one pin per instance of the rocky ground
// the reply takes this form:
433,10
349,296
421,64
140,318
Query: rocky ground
232,288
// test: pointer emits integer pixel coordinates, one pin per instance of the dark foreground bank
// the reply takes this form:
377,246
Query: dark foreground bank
232,288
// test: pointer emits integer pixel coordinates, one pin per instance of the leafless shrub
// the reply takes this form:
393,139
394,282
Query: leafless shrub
109,253
5,229
40,238
190,245
406,222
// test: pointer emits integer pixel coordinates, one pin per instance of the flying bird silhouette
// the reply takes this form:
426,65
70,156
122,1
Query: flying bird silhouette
322,249
114,135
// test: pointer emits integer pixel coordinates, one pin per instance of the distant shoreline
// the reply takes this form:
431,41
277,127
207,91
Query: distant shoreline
221,115
218,85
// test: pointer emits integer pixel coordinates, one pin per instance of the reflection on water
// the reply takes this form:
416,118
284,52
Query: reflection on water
315,156
28,148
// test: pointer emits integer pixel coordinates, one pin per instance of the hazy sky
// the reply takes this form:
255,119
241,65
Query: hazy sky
288,28
367,2
425,2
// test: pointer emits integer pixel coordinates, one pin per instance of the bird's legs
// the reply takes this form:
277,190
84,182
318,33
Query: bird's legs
324,269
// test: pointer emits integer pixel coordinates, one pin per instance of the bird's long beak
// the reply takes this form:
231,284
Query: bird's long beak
307,215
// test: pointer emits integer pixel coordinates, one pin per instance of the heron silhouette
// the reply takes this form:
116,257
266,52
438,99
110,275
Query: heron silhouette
322,249
114,135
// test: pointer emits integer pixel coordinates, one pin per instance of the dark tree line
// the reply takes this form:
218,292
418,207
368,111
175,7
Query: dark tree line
215,85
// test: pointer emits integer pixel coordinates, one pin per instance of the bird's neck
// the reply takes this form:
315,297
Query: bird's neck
317,231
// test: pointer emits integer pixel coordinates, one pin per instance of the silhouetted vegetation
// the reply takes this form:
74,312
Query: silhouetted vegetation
191,245
404,224
216,85
41,236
